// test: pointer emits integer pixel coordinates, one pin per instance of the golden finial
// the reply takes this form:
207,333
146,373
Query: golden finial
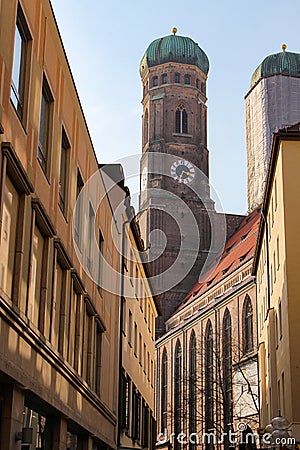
284,46
174,30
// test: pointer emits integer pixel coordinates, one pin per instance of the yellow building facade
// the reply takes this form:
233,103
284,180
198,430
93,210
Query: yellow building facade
60,329
277,280
139,312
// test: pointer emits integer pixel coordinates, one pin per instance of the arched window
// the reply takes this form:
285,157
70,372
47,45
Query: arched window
177,392
146,127
155,81
181,120
176,78
227,375
209,390
247,325
187,79
164,78
192,386
164,390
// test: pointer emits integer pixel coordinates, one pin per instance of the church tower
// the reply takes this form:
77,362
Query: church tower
174,152
272,103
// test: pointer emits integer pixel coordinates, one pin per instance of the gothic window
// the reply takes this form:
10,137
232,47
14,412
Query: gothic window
181,120
164,390
227,373
164,79
209,373
177,392
155,81
187,79
192,386
248,325
146,127
177,78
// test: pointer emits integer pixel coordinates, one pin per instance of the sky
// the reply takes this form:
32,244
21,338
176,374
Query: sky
105,41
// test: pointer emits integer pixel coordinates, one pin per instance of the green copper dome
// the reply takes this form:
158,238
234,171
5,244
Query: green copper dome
173,48
283,63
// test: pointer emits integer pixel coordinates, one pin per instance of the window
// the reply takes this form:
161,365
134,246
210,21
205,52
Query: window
8,236
248,325
181,121
74,318
283,394
177,392
140,349
130,329
177,78
45,119
280,320
197,83
209,372
135,339
36,270
227,375
125,401
276,330
87,347
98,354
146,127
90,238
63,173
145,426
275,194
136,414
164,79
187,79
22,38
155,81
278,253
78,211
58,293
164,390
192,386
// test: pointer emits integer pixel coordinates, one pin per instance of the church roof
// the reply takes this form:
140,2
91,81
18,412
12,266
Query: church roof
283,63
238,250
173,48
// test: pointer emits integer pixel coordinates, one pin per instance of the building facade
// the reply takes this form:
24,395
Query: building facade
139,311
59,328
207,379
276,271
273,102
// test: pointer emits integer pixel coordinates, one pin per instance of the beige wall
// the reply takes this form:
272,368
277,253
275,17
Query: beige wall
59,370
278,329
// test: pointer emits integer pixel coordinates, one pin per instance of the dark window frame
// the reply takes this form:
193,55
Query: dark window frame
18,93
44,140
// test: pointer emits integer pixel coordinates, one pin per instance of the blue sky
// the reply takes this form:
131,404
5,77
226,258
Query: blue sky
105,41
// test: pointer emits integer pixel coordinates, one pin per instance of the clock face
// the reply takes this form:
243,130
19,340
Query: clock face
144,179
182,171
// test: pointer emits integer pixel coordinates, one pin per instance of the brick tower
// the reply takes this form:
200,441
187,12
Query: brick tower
174,73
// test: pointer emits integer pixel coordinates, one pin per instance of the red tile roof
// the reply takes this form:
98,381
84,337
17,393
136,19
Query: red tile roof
239,249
